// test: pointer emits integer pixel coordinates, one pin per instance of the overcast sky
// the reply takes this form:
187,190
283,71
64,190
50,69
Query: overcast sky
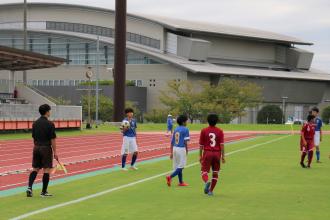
305,19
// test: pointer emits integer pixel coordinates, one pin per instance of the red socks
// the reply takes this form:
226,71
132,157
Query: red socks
214,180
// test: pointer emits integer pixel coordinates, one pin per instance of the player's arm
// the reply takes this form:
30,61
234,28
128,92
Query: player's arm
53,141
321,130
186,139
201,145
186,144
172,144
223,153
303,136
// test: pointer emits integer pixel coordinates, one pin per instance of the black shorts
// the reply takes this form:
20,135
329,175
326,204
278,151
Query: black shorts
42,157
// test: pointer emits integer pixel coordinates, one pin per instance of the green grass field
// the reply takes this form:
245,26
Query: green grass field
261,180
162,127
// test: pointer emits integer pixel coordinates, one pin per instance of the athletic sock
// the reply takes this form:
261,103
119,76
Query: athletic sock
303,155
176,172
133,159
310,157
45,181
180,176
205,177
123,160
32,177
214,180
318,155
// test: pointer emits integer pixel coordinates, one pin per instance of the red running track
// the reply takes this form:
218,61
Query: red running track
84,154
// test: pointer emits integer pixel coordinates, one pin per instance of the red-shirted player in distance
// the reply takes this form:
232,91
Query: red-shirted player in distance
307,141
211,152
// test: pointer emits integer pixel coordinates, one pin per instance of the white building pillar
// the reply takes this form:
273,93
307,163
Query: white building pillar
12,82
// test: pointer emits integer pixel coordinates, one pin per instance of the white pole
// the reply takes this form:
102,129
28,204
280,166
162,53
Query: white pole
97,80
25,37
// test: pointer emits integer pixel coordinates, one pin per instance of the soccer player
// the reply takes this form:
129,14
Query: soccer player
318,132
307,141
129,140
211,143
44,136
169,124
179,150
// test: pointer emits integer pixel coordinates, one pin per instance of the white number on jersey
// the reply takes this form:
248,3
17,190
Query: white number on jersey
212,139
177,137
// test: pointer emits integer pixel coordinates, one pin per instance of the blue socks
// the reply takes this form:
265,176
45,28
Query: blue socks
318,155
134,157
123,160
177,172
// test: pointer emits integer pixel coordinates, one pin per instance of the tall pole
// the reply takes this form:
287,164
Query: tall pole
97,80
25,37
120,60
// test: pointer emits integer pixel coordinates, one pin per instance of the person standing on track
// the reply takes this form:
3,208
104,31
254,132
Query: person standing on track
318,132
44,137
169,125
211,143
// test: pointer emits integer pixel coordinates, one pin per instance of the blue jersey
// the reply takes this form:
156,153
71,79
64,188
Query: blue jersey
169,122
318,124
131,132
180,135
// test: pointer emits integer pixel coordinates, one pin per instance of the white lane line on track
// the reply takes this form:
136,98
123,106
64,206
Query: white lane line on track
131,184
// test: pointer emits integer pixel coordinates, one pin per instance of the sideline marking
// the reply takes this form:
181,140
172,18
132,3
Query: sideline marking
131,184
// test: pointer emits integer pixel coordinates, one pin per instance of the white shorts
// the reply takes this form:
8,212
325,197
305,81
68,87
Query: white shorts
179,157
317,138
129,145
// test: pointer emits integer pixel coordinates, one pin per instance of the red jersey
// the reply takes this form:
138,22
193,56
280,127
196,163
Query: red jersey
308,130
211,138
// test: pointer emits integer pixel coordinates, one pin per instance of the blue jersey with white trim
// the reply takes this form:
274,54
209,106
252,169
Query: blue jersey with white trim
169,122
131,132
318,124
180,135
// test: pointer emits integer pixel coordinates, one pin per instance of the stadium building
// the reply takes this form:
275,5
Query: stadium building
162,49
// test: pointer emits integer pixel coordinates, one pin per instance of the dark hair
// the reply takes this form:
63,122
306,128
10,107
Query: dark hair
128,110
310,117
43,109
315,109
212,119
181,119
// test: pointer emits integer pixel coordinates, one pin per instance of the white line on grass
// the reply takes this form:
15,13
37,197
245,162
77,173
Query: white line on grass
131,184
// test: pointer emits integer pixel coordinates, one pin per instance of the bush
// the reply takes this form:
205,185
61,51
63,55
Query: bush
270,114
156,116
326,115
105,107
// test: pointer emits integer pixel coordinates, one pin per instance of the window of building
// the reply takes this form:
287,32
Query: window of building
45,82
71,82
76,82
51,82
56,83
39,82
61,82
34,82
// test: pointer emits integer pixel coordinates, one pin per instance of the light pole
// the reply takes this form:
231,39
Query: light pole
25,36
97,80
284,98
89,75
120,60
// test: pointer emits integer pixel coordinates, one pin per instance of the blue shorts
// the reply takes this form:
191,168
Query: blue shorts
169,128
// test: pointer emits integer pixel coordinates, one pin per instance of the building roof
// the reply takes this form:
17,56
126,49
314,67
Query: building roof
206,67
19,60
190,26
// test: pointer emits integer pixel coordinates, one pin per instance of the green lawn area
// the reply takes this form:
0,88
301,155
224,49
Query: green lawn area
105,128
265,182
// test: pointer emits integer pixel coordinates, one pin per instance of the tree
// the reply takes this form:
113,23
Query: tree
181,98
326,115
230,99
270,114
156,116
105,107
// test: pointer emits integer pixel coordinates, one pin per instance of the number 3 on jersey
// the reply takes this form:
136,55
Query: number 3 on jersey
212,139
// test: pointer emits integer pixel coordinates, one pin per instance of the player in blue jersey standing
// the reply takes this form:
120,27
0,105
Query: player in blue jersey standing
169,124
129,140
318,132
179,150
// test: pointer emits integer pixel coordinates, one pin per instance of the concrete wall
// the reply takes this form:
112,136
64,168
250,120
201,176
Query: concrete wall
83,16
31,96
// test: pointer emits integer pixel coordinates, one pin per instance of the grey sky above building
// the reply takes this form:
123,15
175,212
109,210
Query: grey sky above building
304,19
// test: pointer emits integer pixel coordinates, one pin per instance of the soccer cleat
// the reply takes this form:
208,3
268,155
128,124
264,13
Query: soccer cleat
45,194
168,180
318,161
124,169
29,192
302,165
207,187
309,166
183,184
210,193
133,168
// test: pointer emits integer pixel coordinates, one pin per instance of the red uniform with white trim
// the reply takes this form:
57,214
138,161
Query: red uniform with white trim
308,130
211,140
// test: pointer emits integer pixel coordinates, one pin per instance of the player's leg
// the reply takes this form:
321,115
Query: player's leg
36,164
317,139
205,169
303,155
47,164
182,164
133,148
310,147
124,152
215,171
